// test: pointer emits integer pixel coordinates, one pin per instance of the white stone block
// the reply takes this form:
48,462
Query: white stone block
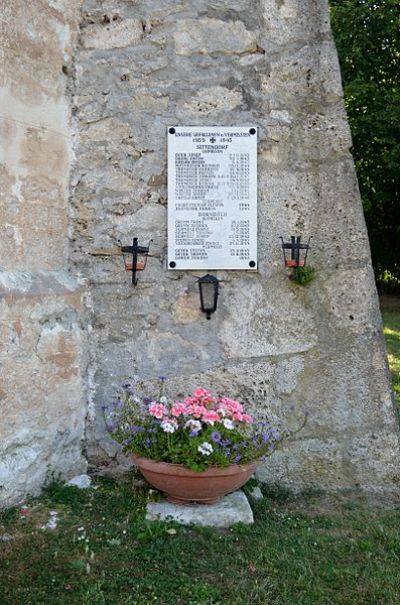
81,481
231,509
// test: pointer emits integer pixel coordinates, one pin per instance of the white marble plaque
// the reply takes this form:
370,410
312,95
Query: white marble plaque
212,197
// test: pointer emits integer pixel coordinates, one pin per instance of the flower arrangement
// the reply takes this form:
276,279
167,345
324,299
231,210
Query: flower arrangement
202,430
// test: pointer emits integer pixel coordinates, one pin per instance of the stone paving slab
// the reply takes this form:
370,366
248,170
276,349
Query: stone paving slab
233,508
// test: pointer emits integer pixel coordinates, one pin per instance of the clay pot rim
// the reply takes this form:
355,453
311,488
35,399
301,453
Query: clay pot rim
167,468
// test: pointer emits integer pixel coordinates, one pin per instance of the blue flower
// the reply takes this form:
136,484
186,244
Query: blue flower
216,437
238,458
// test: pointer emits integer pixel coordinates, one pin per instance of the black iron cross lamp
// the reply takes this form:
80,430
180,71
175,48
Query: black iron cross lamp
295,253
208,287
139,258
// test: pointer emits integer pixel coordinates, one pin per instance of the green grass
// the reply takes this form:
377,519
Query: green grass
391,330
314,550
308,551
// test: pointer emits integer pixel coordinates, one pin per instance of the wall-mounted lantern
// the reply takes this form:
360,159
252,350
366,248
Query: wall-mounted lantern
139,258
208,288
295,254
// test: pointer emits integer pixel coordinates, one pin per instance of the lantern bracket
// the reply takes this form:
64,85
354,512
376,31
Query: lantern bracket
136,265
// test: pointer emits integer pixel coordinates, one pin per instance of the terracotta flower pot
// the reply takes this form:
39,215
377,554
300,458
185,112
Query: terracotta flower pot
183,485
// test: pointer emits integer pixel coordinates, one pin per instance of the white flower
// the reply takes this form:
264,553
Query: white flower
169,426
194,425
205,448
163,399
228,424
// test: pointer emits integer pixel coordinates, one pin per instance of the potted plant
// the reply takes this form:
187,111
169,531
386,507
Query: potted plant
194,450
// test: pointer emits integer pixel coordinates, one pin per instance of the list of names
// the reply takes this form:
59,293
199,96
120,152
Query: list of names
212,198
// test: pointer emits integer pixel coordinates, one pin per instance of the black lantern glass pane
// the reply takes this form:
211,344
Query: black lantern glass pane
295,252
207,293
208,287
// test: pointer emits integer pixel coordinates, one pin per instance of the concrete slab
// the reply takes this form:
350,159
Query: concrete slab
233,508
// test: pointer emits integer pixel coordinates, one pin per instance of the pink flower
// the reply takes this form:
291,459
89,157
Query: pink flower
178,409
200,393
247,419
157,410
204,397
190,401
197,410
210,417
238,416
229,406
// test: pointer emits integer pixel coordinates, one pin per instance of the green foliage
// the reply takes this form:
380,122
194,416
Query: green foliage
304,276
56,493
8,516
181,448
277,493
368,42
391,330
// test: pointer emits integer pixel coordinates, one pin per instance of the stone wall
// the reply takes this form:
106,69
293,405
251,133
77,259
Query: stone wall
42,341
71,322
144,65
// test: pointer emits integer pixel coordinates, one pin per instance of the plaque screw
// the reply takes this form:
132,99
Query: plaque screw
252,131
252,263
171,131
172,264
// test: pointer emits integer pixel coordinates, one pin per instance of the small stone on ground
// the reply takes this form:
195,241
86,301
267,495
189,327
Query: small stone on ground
231,509
256,494
5,537
81,481
53,520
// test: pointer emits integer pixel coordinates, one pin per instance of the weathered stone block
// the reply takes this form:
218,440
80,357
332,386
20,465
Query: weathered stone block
206,36
290,21
41,384
233,508
212,100
116,34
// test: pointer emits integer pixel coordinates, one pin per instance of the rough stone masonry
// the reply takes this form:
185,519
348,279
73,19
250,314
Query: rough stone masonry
88,91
